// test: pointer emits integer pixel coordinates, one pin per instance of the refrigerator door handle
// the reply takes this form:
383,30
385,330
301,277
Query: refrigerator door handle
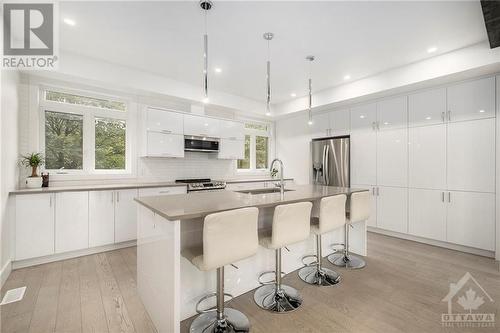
324,165
327,166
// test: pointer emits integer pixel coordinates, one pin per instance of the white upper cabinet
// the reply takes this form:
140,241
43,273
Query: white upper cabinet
392,113
471,219
72,221
232,130
339,122
364,117
392,208
231,149
125,215
427,213
472,100
34,225
101,218
164,145
427,107
320,127
164,121
392,157
471,156
202,126
427,157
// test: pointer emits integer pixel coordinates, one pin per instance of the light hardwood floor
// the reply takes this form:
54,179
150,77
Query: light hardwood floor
400,290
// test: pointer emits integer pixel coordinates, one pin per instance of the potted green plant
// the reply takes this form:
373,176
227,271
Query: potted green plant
33,161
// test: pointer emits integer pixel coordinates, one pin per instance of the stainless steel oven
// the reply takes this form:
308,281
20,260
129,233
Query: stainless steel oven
201,144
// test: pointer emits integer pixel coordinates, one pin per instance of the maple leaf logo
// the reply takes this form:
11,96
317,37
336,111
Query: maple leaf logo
470,301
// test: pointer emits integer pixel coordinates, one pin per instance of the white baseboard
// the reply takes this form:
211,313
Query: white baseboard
70,255
461,248
5,272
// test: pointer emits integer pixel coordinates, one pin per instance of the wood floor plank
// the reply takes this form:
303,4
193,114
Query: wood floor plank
69,314
128,289
116,312
45,311
93,314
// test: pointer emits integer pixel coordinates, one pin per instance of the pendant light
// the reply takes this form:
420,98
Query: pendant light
268,36
310,59
206,5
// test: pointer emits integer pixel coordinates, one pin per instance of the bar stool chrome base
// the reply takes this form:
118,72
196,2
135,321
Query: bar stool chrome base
321,277
283,300
233,321
348,261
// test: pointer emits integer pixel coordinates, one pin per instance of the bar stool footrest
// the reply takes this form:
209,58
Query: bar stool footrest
264,283
204,298
312,263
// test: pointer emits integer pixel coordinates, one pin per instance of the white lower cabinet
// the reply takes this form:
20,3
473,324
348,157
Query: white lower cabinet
125,215
231,149
471,219
392,208
427,213
72,221
101,218
34,225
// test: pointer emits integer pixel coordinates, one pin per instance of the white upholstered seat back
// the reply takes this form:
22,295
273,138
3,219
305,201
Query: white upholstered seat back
360,206
332,213
230,236
291,224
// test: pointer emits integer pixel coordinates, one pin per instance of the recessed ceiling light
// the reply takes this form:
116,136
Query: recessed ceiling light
69,22
309,122
481,111
362,117
386,123
428,118
347,77
268,114
218,70
206,100
293,95
432,49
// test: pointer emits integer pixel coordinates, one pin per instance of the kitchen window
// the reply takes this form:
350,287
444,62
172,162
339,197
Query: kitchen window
257,148
83,133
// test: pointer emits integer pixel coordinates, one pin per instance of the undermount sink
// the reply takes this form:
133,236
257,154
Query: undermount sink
262,191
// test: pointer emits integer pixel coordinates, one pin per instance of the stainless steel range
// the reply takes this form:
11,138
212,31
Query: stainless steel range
202,184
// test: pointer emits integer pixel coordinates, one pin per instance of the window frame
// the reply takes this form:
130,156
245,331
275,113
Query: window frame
253,133
90,114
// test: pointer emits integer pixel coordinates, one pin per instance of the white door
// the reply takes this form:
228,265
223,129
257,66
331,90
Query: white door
201,126
392,113
125,215
427,214
392,157
165,145
471,155
164,121
471,219
233,130
72,221
34,225
339,122
364,117
427,157
231,149
427,107
472,100
364,157
320,127
392,208
101,218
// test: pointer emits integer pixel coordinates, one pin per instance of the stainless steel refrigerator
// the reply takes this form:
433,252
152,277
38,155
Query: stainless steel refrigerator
330,161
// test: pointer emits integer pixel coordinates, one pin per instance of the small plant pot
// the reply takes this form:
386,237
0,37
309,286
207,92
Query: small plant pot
34,182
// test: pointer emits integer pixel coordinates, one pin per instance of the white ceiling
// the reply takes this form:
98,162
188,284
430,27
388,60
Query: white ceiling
355,38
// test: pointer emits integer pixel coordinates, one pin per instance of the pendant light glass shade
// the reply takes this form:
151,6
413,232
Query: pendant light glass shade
268,36
309,104
206,5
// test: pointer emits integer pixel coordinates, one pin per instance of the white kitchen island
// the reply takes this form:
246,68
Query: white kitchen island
169,285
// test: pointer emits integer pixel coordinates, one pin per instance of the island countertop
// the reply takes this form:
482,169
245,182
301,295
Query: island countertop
199,204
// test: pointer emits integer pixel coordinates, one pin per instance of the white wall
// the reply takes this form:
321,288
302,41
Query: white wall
293,143
9,157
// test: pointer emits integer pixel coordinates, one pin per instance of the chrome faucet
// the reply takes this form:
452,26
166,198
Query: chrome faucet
282,182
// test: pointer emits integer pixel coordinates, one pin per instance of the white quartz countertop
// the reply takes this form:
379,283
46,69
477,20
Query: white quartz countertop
199,204
122,186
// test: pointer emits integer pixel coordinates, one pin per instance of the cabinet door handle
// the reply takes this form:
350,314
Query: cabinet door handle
50,200
378,191
117,196
443,116
166,131
112,197
442,196
166,191
449,115
378,125
373,190
449,196
374,126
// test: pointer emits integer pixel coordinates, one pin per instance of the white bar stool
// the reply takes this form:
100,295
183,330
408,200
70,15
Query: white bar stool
331,217
359,210
291,224
227,237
